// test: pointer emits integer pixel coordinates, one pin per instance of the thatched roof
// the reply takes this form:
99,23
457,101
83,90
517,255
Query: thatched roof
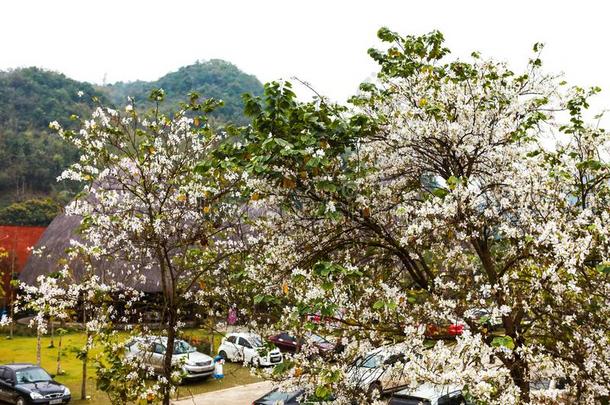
56,240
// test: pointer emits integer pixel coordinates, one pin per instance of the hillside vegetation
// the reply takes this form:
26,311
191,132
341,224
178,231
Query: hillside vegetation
31,156
215,78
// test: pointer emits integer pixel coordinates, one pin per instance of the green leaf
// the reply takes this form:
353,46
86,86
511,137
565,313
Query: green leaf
505,341
322,391
283,143
452,182
283,367
378,304
327,186
328,285
603,268
440,192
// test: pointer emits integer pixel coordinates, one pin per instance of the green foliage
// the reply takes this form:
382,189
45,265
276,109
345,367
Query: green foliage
504,341
307,138
30,98
603,268
35,212
30,162
113,375
407,55
31,157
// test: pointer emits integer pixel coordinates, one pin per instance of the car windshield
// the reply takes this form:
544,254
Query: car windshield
181,347
317,338
540,385
32,375
255,341
280,397
372,361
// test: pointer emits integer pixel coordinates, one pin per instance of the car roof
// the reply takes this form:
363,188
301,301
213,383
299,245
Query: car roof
277,395
154,338
19,366
384,351
428,391
243,334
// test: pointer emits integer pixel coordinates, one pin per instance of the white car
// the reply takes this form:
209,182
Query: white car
378,372
430,395
151,350
248,348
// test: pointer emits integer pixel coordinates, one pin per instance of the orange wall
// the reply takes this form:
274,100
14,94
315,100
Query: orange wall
18,240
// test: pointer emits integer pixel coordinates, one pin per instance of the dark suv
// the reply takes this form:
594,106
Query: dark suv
23,383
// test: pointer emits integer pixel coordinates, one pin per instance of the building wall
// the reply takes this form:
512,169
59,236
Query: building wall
17,241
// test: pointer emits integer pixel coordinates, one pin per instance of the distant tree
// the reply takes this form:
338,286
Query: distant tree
50,299
32,97
35,212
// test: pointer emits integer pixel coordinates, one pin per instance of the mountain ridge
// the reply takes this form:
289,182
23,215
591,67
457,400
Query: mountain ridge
32,156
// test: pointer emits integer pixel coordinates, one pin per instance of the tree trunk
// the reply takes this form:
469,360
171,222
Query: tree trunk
59,356
519,372
52,344
12,291
11,327
38,348
518,366
169,351
212,323
83,386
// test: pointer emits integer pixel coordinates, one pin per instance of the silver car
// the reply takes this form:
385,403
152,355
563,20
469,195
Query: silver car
151,349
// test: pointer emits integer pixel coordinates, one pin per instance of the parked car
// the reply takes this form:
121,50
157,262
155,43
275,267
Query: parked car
285,342
25,383
287,398
324,346
278,397
288,343
485,318
329,321
443,331
377,372
429,394
550,390
151,349
249,348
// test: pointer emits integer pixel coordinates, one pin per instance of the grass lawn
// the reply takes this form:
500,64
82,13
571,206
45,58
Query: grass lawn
22,349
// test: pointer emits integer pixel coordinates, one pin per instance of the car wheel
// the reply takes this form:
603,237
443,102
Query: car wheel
20,401
374,391
223,354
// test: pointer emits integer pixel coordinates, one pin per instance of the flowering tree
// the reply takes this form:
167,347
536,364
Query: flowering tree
49,299
158,202
450,193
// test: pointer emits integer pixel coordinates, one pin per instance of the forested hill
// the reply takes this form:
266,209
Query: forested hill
31,156
215,78
30,98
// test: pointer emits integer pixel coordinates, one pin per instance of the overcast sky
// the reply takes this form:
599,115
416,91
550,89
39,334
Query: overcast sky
323,42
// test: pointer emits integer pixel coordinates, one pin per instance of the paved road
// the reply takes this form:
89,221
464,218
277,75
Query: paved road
240,395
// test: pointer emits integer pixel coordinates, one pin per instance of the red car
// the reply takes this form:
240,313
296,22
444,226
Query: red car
443,332
288,343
